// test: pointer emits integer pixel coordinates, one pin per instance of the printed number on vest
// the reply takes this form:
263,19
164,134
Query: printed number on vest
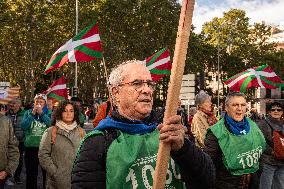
248,159
37,128
131,177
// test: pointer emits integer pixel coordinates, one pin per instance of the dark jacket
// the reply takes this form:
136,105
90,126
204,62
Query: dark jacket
89,169
266,126
16,119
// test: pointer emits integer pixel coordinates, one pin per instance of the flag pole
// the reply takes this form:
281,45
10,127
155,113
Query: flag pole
105,68
174,88
75,91
106,75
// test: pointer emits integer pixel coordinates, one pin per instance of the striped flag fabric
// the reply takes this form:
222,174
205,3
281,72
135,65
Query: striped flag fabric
159,64
57,91
7,94
261,76
85,46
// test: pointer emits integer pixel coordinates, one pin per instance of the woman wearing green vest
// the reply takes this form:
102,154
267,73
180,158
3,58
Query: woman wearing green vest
235,144
121,152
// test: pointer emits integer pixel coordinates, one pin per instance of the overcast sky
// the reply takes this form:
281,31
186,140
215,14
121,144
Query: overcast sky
270,11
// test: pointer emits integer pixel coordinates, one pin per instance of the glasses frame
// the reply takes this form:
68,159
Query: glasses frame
150,83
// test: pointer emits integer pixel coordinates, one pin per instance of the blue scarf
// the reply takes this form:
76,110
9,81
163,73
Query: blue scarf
237,127
137,127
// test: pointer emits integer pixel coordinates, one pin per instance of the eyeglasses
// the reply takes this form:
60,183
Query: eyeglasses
276,110
138,84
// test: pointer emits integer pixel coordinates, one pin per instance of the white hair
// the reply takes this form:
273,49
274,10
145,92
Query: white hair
201,97
117,75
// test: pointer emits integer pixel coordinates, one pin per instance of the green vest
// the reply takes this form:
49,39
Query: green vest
34,133
131,160
240,153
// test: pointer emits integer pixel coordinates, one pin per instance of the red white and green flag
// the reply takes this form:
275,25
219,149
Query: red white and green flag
57,91
84,47
261,76
159,64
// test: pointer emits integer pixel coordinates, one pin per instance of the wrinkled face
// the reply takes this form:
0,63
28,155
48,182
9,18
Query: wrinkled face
236,108
39,101
15,106
276,112
68,114
207,105
134,101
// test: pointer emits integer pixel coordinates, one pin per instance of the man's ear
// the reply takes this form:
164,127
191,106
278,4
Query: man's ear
115,92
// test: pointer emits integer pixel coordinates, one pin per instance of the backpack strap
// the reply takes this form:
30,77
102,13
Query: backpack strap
53,134
82,133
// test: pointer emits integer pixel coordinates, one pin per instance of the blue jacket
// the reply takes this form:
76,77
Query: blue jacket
29,118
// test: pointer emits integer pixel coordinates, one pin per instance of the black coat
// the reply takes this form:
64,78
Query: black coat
89,170
266,127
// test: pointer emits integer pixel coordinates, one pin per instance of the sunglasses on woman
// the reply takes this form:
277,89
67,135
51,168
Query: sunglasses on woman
276,110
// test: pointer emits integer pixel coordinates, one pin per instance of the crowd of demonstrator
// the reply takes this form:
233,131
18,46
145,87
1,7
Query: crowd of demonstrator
234,152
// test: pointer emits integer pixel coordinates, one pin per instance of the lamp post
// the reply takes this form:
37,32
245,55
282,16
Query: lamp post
218,69
75,91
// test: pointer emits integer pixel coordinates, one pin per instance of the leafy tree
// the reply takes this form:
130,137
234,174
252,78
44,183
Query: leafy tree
33,30
239,45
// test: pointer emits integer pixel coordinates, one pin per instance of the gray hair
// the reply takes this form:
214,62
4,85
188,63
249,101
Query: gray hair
201,97
117,74
233,94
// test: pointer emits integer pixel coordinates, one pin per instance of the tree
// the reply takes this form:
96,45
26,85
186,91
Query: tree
241,46
33,30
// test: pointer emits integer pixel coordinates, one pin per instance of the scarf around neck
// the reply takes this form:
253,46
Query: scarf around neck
211,119
136,127
237,127
65,127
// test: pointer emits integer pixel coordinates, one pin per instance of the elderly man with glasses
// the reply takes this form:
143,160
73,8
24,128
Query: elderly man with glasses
272,175
122,150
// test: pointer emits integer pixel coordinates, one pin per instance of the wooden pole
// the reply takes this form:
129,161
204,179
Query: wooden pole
106,76
174,88
105,68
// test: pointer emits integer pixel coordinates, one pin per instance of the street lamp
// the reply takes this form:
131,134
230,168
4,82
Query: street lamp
76,65
218,65
218,69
